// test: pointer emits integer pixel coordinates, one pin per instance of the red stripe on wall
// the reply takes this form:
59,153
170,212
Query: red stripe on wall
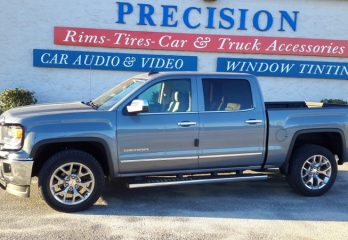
199,42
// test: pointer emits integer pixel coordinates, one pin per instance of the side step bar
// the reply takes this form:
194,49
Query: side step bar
165,181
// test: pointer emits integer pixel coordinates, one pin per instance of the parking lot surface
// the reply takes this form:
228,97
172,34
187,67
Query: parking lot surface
249,210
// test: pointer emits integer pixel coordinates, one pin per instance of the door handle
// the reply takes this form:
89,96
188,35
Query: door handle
187,124
253,121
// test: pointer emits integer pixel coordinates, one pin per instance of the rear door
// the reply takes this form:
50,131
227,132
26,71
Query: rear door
233,123
164,138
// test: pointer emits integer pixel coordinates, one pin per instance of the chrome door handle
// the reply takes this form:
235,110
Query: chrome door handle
187,124
253,121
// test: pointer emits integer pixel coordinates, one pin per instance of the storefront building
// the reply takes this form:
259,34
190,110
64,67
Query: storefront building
75,50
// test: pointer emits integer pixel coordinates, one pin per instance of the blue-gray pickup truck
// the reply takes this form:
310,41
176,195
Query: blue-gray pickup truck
164,129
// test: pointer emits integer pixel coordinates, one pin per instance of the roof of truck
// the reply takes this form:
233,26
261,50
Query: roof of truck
152,75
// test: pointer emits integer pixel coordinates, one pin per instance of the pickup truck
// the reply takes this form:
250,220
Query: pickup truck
164,129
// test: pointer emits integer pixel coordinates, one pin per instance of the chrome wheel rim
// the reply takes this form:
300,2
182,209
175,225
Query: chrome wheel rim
72,183
316,172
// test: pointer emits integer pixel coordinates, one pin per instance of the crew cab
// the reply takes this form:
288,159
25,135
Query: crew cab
163,129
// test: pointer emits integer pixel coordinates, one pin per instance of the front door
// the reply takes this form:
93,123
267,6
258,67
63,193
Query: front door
233,126
164,138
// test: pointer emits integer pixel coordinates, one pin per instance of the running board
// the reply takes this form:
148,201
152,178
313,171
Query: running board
166,181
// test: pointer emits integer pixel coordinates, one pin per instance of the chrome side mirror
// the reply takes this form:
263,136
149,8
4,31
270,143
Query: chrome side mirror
138,106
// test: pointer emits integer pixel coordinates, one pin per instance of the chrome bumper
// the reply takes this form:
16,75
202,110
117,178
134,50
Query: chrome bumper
15,173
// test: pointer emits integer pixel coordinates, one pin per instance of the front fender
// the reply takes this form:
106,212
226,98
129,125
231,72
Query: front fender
39,136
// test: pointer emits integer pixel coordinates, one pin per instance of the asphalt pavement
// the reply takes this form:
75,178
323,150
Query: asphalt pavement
249,210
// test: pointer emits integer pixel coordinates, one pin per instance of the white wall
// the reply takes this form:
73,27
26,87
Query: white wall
25,25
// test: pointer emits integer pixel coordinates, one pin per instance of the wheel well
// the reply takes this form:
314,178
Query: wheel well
329,140
96,149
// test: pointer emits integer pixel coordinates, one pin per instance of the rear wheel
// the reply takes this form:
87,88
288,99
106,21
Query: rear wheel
71,181
312,171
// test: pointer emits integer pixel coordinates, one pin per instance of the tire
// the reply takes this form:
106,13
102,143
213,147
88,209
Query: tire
312,170
71,181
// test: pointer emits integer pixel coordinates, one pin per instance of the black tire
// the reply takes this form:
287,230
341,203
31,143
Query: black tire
296,173
64,158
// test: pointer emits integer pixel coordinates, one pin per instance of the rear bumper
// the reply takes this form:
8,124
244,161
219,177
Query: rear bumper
15,173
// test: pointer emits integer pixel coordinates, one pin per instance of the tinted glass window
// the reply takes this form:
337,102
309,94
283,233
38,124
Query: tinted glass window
169,96
227,95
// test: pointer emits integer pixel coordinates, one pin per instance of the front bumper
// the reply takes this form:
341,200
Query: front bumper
15,173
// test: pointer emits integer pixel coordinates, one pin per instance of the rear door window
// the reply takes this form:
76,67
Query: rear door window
229,95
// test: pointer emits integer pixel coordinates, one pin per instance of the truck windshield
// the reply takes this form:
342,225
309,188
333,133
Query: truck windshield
114,95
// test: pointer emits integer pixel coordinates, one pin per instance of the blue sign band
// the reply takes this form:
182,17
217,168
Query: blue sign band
112,61
284,68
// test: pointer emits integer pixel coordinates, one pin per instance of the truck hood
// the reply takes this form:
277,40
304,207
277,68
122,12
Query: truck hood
17,115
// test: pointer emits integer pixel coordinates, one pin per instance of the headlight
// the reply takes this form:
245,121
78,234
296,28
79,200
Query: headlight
12,137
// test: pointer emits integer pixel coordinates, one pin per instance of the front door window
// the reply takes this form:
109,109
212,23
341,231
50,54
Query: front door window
169,96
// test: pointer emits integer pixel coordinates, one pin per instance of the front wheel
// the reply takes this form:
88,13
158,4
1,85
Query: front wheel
313,170
71,181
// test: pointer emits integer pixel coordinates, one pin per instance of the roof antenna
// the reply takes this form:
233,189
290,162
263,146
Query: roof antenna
152,72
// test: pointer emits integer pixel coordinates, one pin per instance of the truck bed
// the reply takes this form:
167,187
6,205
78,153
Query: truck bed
286,120
300,104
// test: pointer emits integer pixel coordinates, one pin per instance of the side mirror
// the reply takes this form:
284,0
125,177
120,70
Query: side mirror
138,106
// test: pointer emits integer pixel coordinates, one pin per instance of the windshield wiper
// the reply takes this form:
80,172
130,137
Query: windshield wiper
91,104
